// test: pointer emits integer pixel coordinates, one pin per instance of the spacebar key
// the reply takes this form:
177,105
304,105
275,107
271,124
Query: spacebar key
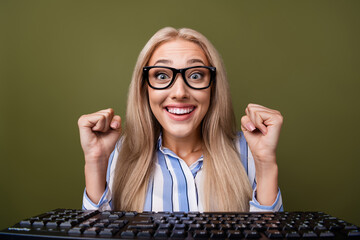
143,226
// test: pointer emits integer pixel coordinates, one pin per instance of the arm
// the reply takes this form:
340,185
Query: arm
255,206
105,202
261,127
99,133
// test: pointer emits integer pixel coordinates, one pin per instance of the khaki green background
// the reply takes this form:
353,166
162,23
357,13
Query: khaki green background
62,59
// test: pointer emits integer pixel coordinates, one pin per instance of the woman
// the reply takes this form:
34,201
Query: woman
179,150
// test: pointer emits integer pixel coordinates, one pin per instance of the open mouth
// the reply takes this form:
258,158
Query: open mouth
180,111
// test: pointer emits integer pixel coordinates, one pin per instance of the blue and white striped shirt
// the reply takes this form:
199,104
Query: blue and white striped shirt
174,186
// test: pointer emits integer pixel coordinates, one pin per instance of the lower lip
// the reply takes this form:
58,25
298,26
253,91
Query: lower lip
181,117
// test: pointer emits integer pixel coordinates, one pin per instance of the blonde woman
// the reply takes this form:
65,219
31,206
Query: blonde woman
180,150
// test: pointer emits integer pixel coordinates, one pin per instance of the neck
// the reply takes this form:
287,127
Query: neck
188,148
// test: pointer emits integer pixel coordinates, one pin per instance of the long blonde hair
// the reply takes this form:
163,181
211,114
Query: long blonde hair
226,186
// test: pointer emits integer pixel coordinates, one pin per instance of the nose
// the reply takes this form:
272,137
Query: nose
179,89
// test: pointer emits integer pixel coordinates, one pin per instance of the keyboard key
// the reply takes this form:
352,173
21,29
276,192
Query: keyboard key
353,233
178,233
351,227
108,232
142,226
308,234
51,224
240,227
65,225
165,226
251,234
326,234
145,234
116,225
273,234
193,227
217,234
234,234
101,225
106,213
113,216
320,228
76,231
38,223
130,214
257,227
25,223
201,234
179,226
93,231
128,234
272,226
225,227
162,233
121,222
291,234
210,227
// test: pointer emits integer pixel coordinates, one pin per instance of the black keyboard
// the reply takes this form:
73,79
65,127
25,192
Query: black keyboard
79,224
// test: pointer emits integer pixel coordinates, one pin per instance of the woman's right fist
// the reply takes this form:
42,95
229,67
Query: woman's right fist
99,133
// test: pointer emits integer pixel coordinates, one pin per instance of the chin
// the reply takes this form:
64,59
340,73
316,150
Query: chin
181,132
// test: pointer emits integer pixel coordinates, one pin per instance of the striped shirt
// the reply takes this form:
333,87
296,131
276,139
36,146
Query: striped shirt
174,186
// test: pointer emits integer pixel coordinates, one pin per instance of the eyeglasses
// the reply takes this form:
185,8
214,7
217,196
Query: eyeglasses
198,77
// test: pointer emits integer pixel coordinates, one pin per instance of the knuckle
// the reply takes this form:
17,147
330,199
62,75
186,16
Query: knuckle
102,118
280,118
81,119
250,107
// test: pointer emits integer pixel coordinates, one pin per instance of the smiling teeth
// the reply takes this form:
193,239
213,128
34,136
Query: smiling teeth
180,110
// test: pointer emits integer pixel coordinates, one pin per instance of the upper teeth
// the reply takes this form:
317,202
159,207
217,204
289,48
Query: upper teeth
180,110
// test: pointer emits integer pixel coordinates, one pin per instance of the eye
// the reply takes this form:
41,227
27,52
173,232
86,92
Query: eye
196,76
161,76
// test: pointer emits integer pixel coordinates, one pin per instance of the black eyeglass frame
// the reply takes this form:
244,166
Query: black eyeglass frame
175,72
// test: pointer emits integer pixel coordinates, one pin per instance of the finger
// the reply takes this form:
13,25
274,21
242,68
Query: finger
259,122
116,123
261,116
101,124
95,122
246,124
256,119
105,118
270,116
252,108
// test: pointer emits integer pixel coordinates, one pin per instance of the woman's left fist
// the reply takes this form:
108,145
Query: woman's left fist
261,127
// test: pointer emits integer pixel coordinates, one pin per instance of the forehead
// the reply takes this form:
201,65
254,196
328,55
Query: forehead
178,51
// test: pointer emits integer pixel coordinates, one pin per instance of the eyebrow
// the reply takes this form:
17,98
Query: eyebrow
169,62
164,61
195,60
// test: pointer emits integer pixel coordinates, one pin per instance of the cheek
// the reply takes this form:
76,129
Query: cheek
205,100
155,99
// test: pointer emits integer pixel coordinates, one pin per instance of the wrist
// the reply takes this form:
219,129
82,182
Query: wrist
95,179
96,159
267,168
267,184
96,167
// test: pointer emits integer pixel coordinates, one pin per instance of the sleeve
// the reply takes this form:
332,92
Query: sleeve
105,202
247,160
